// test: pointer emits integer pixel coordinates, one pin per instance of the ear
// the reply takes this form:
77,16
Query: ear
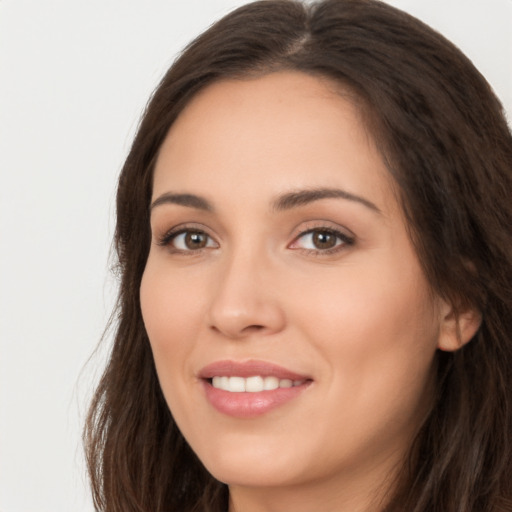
457,327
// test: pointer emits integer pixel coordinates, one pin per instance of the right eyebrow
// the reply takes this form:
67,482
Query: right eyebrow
189,200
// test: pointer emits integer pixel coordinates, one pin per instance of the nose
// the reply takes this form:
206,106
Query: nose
245,301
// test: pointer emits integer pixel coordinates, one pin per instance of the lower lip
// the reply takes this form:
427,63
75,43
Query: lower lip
250,405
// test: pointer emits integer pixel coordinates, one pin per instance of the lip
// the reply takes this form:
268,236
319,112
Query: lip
245,404
249,369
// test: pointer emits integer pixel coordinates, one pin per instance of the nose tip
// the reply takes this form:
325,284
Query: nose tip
237,328
245,304
246,319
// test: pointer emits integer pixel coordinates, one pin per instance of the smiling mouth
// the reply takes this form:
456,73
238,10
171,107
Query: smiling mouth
250,389
253,384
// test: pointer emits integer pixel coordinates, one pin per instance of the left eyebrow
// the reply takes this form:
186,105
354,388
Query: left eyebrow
303,197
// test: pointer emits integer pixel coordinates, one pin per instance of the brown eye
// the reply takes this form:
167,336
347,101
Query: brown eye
195,240
324,239
189,241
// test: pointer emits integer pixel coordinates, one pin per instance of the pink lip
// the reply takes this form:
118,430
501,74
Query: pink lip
249,405
248,369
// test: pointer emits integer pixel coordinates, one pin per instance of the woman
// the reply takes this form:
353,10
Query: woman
315,248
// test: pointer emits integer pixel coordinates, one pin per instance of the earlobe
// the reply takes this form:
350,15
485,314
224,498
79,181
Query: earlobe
457,329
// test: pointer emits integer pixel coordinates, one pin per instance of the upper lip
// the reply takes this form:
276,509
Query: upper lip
248,369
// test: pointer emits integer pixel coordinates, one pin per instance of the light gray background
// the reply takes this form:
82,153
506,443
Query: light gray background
74,77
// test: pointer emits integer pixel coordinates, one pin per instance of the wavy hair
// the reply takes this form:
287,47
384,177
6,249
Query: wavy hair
444,137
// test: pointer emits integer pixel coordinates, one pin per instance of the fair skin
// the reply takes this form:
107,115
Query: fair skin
326,285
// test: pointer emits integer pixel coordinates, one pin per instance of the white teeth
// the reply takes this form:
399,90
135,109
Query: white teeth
252,384
237,384
270,383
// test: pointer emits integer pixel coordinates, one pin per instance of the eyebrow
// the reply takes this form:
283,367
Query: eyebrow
284,202
303,197
189,200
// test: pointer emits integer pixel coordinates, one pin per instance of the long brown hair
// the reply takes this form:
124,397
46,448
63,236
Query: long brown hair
445,140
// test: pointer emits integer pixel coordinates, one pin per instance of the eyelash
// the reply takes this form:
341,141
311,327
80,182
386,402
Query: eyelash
343,240
171,235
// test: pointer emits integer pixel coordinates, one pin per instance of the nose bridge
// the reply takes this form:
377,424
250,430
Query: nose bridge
245,299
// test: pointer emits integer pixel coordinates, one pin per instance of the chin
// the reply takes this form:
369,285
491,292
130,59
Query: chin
255,476
252,465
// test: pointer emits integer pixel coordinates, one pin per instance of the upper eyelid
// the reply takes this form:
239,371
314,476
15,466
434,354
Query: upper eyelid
322,228
184,226
318,225
336,232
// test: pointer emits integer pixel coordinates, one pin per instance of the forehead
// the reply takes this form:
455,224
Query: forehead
280,131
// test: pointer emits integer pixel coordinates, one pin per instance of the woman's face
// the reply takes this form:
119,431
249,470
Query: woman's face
280,258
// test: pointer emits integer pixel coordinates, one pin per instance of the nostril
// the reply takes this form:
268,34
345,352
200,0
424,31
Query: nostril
253,328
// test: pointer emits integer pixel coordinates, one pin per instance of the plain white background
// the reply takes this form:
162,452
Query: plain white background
74,78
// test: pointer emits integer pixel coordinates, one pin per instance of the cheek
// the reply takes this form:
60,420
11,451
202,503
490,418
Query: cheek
169,304
367,307
171,311
378,330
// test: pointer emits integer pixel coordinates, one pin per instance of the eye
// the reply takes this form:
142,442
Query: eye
187,240
322,240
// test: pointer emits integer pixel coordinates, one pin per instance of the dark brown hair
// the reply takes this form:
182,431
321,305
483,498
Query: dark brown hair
445,140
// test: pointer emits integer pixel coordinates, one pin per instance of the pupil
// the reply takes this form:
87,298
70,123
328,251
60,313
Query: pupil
195,240
324,240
